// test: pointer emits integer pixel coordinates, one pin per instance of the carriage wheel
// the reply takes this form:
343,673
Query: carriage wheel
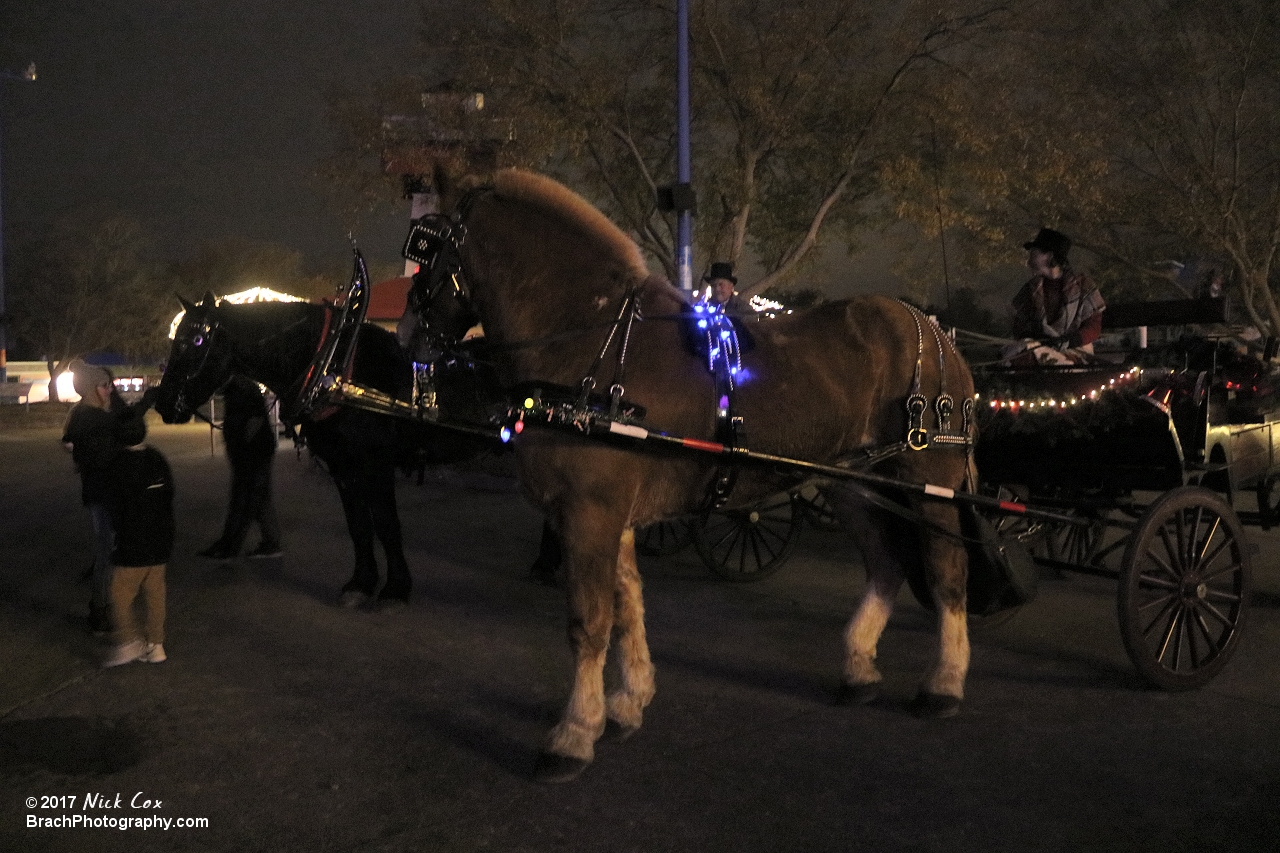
1269,501
749,544
1075,543
1184,587
665,537
817,511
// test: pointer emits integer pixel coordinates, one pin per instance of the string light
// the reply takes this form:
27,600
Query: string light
1055,403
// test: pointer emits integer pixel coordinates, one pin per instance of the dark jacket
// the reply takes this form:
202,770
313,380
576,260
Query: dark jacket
141,505
95,436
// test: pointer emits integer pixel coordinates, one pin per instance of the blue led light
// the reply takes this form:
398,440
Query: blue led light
504,434
702,324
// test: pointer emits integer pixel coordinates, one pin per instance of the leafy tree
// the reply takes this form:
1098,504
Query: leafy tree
87,285
795,110
234,264
1149,131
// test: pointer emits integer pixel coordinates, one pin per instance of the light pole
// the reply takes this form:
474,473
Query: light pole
28,75
684,170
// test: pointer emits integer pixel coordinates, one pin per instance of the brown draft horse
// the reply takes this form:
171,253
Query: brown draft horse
547,273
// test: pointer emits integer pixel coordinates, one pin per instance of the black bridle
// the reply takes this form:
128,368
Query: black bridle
202,338
435,243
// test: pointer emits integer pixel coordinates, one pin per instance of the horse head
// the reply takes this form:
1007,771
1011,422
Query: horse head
538,259
200,362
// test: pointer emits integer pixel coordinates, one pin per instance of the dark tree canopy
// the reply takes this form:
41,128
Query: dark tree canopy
1146,130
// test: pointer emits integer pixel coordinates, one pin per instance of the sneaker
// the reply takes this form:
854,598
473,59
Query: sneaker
126,653
153,653
264,551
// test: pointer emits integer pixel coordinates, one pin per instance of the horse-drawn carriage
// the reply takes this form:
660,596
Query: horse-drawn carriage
867,400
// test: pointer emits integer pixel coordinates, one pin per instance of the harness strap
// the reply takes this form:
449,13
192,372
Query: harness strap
297,391
919,438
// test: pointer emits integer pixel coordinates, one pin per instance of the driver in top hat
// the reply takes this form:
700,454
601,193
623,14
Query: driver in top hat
1058,308
720,290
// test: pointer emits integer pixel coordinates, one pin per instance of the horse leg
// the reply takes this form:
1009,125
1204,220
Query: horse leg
591,537
625,705
885,575
380,493
364,580
946,564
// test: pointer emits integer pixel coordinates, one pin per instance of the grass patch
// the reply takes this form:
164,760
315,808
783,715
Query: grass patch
17,416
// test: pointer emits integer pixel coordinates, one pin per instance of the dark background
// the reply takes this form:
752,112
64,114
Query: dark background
202,118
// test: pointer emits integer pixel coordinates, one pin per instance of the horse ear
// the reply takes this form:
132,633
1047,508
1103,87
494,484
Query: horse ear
186,303
209,300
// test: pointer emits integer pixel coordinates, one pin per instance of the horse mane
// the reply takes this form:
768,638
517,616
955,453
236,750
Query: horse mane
550,194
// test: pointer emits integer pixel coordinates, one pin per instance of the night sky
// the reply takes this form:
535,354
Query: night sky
207,118
203,118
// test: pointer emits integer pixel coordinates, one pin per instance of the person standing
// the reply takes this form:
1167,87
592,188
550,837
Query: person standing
140,500
1058,307
251,446
90,434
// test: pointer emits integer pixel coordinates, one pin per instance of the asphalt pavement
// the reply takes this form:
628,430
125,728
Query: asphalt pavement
282,722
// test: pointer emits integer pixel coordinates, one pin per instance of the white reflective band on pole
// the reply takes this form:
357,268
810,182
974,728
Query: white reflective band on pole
939,492
625,429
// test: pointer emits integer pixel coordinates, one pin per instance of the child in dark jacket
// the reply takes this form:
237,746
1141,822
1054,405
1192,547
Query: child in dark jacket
92,435
141,505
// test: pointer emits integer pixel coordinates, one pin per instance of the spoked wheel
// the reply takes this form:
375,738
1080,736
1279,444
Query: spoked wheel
816,509
1184,587
1077,544
665,537
749,544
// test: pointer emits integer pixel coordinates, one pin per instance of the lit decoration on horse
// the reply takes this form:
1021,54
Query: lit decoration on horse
721,340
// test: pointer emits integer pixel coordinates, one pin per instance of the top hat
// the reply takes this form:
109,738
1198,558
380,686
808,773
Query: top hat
1054,242
720,269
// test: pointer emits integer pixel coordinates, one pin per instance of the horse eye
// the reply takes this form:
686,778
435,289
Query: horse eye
198,340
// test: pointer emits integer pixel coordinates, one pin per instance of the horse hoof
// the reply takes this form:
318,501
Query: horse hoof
619,731
858,694
552,768
352,599
935,706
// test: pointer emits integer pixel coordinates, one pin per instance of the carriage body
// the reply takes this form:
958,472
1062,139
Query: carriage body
1150,462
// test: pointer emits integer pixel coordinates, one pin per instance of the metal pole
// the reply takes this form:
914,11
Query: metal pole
684,220
4,321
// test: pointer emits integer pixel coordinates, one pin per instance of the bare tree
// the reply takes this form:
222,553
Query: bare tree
1149,131
88,285
795,109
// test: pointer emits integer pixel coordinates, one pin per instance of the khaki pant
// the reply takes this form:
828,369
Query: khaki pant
126,581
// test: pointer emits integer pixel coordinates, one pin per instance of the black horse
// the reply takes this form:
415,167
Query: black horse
275,343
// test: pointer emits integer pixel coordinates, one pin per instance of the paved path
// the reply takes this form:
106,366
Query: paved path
292,725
